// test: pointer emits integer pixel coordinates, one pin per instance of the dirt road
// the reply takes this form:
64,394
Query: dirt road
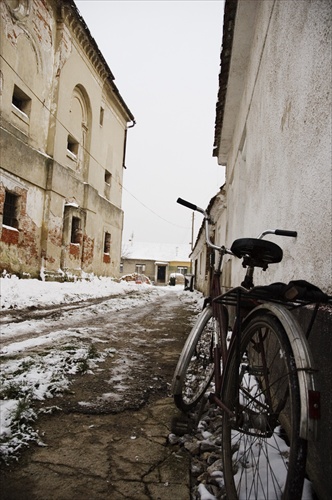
107,437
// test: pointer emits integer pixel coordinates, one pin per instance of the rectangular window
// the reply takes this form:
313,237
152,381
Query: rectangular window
107,243
108,177
140,268
10,210
21,101
182,270
72,145
75,230
101,116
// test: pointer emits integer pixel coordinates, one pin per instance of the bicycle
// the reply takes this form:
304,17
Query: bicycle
263,372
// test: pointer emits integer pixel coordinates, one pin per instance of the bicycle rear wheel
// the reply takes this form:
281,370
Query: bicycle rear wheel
263,455
195,367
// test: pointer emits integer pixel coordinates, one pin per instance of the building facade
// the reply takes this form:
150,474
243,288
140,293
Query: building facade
157,261
273,134
63,134
201,254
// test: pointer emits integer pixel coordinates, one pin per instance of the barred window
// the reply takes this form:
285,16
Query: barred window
10,210
107,243
75,230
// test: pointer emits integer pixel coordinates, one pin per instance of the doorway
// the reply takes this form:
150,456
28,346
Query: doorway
161,274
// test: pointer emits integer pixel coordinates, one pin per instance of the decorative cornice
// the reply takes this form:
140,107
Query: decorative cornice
75,22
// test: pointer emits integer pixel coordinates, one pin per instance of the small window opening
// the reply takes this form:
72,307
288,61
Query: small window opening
76,231
183,270
10,210
21,101
107,243
140,268
72,145
108,177
101,116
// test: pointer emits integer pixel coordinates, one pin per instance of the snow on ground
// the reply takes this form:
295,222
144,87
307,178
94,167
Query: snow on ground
36,365
20,293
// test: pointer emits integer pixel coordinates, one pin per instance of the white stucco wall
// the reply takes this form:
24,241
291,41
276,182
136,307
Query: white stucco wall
279,155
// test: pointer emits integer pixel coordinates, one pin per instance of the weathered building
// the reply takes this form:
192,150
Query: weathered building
63,135
273,134
273,131
201,254
155,260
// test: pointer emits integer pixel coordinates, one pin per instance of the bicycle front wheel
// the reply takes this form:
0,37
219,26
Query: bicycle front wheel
195,367
263,455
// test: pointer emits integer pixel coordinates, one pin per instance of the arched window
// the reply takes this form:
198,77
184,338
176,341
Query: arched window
79,126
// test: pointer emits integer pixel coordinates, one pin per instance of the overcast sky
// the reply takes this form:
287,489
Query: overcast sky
165,57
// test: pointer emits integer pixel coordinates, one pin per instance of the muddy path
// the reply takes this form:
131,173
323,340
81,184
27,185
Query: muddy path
107,436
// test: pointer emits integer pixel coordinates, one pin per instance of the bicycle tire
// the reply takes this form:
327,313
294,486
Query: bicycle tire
263,455
195,367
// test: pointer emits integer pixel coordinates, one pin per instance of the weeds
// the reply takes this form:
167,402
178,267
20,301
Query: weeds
82,365
13,390
92,352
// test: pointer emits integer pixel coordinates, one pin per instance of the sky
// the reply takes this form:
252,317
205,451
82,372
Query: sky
165,57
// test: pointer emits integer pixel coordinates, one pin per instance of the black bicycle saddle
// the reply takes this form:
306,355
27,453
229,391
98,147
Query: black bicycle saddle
256,253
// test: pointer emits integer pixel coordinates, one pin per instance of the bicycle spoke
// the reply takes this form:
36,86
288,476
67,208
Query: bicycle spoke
196,366
258,462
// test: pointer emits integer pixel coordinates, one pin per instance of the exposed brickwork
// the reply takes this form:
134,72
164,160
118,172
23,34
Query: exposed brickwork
88,249
107,258
9,236
74,249
55,233
29,242
26,239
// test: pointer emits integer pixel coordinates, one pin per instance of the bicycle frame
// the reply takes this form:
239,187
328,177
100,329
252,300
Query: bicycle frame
304,362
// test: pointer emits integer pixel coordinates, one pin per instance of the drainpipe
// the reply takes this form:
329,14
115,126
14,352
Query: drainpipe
125,143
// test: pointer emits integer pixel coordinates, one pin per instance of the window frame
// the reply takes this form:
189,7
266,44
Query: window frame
107,243
21,102
76,229
11,210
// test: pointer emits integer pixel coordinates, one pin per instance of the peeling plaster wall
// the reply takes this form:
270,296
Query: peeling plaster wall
63,143
200,260
276,142
19,248
279,156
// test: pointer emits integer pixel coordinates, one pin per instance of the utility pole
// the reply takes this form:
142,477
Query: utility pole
192,239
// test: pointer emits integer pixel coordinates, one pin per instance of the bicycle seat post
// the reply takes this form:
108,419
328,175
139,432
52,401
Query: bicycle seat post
248,282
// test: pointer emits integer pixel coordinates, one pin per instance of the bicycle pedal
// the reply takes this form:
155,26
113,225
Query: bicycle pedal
181,425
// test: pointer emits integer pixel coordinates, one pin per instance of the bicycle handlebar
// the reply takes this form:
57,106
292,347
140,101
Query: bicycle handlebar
277,232
186,203
284,232
191,206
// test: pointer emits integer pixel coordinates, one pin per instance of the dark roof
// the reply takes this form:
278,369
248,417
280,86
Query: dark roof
225,59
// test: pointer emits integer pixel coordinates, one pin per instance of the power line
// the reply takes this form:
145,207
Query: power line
86,150
152,211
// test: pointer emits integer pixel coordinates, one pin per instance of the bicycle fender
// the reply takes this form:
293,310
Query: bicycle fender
304,364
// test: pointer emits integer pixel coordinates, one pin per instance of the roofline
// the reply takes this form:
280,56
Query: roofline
225,60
